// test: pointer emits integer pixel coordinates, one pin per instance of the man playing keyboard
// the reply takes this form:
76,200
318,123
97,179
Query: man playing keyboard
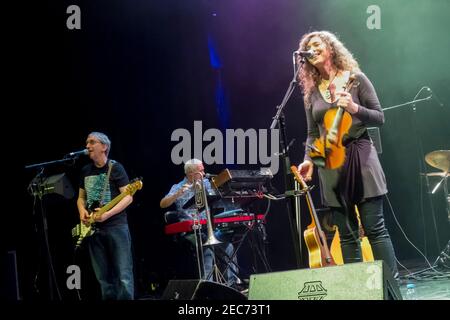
179,195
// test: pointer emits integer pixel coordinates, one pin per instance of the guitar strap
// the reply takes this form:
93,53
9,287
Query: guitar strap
110,165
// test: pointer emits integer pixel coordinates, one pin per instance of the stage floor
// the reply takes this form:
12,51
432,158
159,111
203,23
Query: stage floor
430,284
429,289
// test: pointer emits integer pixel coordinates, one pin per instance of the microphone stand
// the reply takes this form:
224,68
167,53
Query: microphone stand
408,103
422,165
66,159
37,189
279,120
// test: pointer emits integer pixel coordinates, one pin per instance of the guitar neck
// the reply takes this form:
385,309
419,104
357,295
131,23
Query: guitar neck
309,200
112,203
313,210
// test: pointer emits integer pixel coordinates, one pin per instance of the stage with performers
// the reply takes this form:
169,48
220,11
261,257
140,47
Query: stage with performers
258,151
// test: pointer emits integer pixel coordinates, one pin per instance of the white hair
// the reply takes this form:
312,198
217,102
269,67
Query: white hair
191,165
103,138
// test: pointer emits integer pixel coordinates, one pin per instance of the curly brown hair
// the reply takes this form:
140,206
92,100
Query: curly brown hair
309,76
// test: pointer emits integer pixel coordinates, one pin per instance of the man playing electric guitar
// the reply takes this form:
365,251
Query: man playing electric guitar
110,245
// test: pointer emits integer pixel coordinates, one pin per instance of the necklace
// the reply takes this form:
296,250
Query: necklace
327,93
329,87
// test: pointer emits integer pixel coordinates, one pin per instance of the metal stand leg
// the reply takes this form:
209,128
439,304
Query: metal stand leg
215,273
197,228
443,260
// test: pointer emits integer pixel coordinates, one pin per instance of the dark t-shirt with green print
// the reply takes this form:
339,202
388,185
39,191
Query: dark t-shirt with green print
92,180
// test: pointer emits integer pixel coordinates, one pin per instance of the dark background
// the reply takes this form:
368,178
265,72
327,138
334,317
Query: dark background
137,70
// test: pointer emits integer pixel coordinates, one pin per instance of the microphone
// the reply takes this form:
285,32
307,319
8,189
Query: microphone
433,95
305,54
78,153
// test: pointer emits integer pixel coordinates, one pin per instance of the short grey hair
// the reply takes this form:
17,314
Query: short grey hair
103,138
191,165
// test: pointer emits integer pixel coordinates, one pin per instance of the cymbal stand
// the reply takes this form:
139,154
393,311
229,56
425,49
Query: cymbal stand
444,257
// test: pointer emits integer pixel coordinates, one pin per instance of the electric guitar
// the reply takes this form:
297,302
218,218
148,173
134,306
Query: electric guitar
81,230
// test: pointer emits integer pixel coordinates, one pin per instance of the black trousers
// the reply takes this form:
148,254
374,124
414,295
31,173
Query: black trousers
372,220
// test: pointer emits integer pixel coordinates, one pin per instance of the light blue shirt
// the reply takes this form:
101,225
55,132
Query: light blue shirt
188,213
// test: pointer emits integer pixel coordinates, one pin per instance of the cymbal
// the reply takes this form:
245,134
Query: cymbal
439,159
436,174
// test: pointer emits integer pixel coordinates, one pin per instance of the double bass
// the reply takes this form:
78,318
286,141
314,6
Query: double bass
315,239
328,150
